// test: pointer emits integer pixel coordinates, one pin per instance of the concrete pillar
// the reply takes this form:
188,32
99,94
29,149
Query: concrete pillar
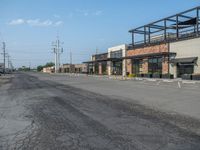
124,68
145,66
109,68
129,66
175,71
165,67
100,69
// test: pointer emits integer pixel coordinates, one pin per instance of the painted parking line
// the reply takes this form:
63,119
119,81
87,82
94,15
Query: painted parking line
153,80
179,85
188,82
168,81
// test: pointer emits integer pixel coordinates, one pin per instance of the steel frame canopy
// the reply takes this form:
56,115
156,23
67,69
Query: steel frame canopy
170,23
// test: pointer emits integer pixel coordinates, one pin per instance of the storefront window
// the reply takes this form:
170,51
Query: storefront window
96,68
104,68
155,65
117,68
116,54
136,66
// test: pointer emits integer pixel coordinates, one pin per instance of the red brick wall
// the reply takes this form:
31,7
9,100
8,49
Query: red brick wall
129,66
148,50
145,66
165,67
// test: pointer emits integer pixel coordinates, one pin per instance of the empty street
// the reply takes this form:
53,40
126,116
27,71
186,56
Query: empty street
38,112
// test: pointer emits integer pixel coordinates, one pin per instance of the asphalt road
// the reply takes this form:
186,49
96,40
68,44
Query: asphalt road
45,115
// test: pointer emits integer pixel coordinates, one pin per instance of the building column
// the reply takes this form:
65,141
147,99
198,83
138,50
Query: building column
145,66
175,70
109,68
124,69
100,68
165,67
129,66
94,68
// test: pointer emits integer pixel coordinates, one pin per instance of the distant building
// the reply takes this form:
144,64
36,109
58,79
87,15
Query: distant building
73,68
67,68
48,70
98,64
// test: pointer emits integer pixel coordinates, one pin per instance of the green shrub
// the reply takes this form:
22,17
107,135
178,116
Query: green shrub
131,75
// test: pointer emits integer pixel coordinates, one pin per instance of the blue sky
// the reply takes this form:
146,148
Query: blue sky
29,26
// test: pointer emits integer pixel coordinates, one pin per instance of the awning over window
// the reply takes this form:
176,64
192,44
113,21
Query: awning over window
187,60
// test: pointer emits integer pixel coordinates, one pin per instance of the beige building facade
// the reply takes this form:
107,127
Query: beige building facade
187,59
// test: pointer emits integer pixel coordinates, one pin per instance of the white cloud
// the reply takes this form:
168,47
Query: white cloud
58,23
38,22
82,12
35,22
16,22
86,13
98,13
56,16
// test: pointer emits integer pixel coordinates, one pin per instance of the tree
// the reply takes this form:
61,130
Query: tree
39,68
49,64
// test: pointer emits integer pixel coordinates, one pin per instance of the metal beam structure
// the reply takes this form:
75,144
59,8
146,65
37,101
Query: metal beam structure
175,23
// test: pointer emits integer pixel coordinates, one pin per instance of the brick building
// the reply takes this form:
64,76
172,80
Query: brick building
48,70
167,46
98,64
74,68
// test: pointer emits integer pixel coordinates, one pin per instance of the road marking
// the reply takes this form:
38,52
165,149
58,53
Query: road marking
189,82
179,84
153,80
158,83
169,81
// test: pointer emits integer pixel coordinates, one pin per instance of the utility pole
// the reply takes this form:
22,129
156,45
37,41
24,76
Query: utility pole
8,56
4,57
96,50
29,65
70,58
57,49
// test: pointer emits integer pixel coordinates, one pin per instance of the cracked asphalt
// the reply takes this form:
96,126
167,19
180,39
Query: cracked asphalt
44,115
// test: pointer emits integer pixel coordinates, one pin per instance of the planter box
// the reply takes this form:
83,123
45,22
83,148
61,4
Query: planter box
186,77
195,77
156,75
148,75
167,76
